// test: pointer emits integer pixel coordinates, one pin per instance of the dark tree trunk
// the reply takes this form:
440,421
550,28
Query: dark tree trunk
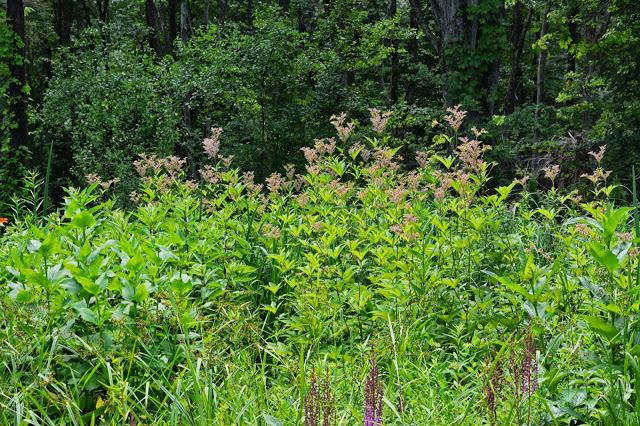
348,78
410,91
395,60
172,11
250,13
542,59
284,4
489,82
85,15
222,5
459,28
154,23
575,36
63,19
103,10
519,27
206,13
185,26
19,134
416,8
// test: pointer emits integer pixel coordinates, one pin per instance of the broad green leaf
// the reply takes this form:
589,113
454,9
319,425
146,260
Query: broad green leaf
83,220
85,313
604,256
602,327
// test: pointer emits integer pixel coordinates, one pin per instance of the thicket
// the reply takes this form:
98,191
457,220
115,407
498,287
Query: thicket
351,291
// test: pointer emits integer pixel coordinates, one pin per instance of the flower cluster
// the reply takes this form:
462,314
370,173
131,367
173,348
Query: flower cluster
319,404
93,179
343,128
455,117
551,172
373,393
470,153
599,174
171,165
379,120
211,144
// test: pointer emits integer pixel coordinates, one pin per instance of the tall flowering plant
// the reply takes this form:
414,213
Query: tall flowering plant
373,393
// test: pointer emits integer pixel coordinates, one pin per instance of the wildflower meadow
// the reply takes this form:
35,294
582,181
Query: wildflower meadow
352,290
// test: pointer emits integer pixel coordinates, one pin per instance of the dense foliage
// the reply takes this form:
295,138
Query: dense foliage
420,295
412,271
107,80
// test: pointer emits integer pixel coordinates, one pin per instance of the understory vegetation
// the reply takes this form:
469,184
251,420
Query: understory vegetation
350,291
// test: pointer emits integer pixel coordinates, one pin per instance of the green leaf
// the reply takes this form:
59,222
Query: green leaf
604,256
613,219
20,293
34,245
142,293
85,313
83,220
88,284
602,327
135,262
182,284
24,296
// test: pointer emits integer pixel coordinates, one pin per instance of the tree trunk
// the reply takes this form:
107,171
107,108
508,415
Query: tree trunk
542,60
519,27
459,30
154,23
19,133
416,8
63,19
572,25
395,60
223,12
185,27
103,10
410,91
284,4
172,10
206,13
250,13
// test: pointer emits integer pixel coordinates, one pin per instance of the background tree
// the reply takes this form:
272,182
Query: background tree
532,72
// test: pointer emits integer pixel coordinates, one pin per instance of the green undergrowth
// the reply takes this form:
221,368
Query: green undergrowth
215,302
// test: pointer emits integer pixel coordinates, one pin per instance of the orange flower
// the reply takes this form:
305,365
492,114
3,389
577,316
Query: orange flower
3,220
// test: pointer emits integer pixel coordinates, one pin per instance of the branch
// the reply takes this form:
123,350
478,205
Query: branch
417,8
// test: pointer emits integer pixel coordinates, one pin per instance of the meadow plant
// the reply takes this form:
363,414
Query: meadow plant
204,301
373,394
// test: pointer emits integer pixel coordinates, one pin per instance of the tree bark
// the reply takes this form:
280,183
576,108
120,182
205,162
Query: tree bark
206,13
103,10
222,5
250,13
172,10
542,59
185,27
63,19
410,90
395,60
519,27
18,99
416,7
152,16
459,27
572,25
284,4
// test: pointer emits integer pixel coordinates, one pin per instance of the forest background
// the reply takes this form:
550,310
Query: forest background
87,85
